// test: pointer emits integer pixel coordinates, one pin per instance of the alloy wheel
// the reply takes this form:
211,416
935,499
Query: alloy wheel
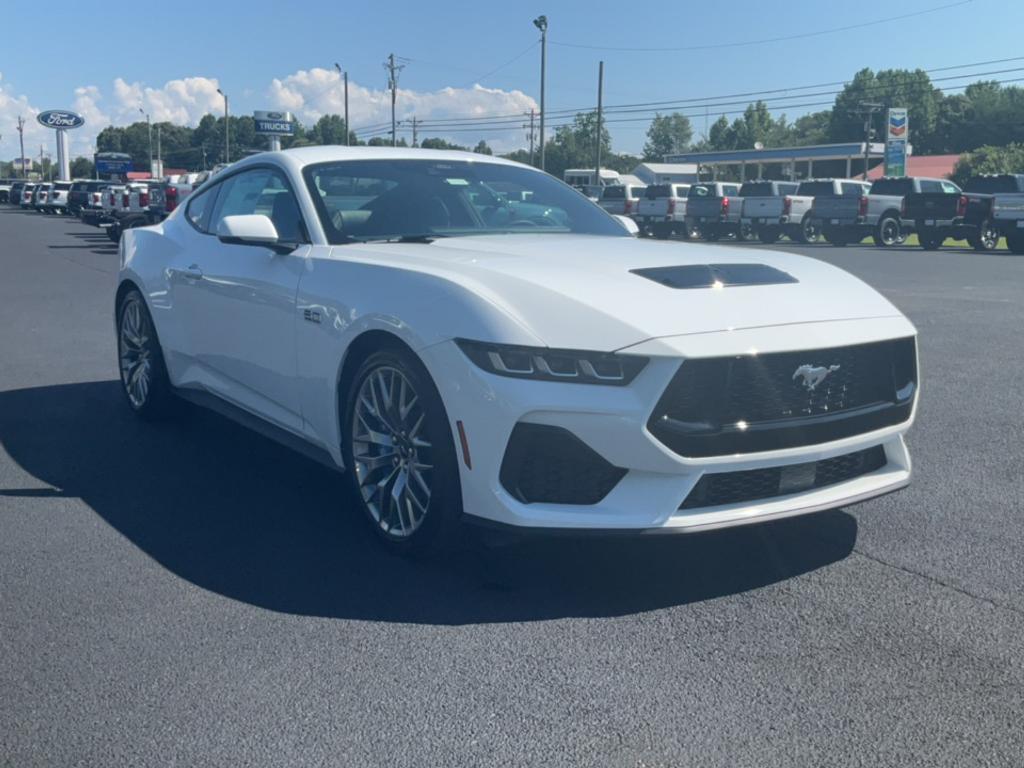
135,352
392,458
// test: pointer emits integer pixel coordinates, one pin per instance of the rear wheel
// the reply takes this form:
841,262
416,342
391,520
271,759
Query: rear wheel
930,240
810,230
400,453
144,378
836,237
986,238
745,232
888,232
661,232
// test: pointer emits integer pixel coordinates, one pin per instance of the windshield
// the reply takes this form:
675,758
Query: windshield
990,184
364,200
902,186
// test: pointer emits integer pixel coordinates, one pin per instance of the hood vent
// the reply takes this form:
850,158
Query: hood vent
716,275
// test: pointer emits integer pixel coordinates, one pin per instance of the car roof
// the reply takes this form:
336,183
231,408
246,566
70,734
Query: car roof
300,157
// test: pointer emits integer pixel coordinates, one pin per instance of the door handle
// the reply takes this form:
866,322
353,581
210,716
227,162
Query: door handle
193,272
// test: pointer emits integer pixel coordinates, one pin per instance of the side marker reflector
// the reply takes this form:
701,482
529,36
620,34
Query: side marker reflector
465,445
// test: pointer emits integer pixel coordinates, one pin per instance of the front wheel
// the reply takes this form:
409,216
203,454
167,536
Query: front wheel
1015,242
401,457
987,237
888,232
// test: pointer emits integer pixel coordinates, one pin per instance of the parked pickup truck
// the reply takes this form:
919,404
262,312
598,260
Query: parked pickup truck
90,210
1008,208
714,208
940,210
5,190
57,202
764,204
81,192
662,210
847,219
621,199
142,203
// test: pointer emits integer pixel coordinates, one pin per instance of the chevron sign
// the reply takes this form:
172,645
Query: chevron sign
897,124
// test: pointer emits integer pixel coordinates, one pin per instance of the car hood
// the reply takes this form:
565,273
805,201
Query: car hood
577,291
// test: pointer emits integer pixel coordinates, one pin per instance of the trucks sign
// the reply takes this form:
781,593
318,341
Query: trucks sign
60,119
897,131
274,123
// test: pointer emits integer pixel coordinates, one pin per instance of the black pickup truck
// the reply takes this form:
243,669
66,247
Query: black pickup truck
947,211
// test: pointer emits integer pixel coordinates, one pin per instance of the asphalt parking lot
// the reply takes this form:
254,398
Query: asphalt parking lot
193,594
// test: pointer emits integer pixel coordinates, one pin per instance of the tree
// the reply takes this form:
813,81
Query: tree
890,88
436,143
330,129
988,159
82,168
575,145
482,149
668,135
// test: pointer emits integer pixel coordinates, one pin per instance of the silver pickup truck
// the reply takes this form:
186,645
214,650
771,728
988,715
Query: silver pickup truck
662,210
847,219
714,208
1008,208
763,206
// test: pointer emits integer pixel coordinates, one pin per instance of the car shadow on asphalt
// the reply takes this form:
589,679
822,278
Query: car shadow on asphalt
240,516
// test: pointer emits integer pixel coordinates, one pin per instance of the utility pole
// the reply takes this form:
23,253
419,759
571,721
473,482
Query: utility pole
869,108
41,176
21,140
393,71
541,23
227,143
600,91
532,137
415,134
344,76
149,127
159,155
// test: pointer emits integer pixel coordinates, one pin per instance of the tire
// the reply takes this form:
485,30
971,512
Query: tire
144,381
745,232
836,237
114,233
661,232
929,240
809,231
385,451
1015,242
711,234
986,238
888,232
769,235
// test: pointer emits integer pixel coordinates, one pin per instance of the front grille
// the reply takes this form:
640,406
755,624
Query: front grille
720,488
545,464
748,403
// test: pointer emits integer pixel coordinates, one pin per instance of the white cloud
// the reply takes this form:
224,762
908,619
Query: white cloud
12,106
313,93
182,101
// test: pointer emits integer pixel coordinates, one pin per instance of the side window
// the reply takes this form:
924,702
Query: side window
950,189
198,210
260,191
852,189
931,186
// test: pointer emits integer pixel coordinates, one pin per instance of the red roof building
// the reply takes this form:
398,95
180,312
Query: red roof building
932,166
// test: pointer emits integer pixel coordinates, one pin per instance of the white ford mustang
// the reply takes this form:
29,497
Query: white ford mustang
474,340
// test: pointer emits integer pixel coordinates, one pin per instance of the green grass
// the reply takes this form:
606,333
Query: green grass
947,243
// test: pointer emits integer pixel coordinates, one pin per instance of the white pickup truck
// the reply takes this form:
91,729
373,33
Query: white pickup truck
661,212
764,203
621,199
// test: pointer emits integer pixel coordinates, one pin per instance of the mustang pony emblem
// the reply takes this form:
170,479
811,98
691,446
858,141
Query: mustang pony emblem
813,375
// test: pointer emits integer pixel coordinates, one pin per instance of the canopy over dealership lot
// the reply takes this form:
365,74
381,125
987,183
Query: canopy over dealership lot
788,162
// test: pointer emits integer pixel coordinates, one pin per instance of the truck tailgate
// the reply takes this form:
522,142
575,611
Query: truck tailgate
762,208
836,208
930,206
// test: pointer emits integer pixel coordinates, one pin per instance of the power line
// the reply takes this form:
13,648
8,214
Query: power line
798,36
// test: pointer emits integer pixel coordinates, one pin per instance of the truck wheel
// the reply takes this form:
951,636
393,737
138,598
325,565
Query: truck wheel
661,232
930,241
769,235
711,234
744,232
836,237
986,238
810,230
1015,243
888,232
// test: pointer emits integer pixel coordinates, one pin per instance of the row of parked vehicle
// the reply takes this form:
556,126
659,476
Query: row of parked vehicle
111,205
839,211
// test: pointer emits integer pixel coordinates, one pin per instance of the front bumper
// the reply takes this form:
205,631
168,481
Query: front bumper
612,422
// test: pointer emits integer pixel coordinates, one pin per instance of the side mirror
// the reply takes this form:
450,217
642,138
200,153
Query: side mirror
253,229
628,224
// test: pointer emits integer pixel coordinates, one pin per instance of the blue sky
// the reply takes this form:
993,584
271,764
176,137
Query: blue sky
273,55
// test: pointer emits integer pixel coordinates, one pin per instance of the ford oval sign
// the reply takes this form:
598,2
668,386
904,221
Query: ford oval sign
61,119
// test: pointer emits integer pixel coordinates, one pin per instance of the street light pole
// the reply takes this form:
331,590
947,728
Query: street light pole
541,23
149,127
21,139
344,76
869,109
227,131
600,92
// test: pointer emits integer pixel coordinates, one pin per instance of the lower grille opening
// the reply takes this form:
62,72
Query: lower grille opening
759,484
545,464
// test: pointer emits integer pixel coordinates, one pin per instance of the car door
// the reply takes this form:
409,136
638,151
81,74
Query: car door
239,299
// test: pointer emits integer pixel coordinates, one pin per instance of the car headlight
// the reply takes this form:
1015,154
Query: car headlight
545,364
